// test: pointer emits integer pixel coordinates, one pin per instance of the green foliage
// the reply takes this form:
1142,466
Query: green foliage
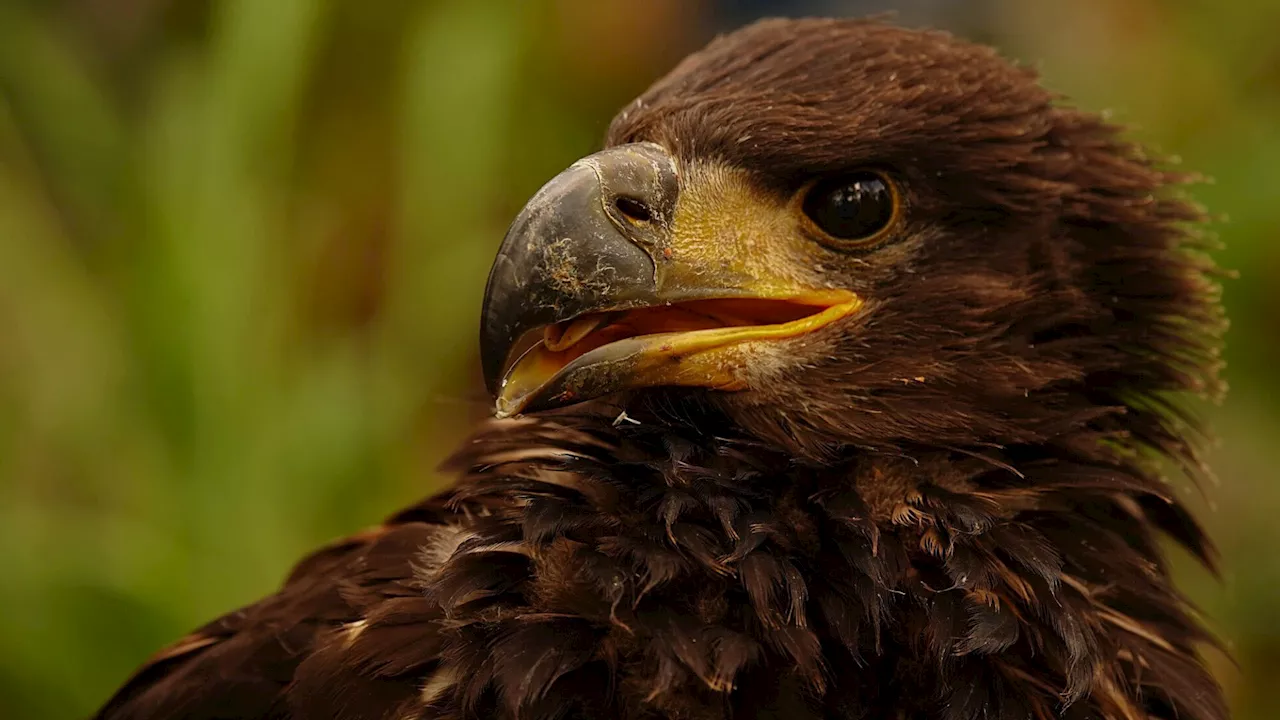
242,246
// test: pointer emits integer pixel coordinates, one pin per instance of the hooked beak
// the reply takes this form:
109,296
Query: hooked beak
622,297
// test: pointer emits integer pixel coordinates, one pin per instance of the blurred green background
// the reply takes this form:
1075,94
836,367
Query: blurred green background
242,246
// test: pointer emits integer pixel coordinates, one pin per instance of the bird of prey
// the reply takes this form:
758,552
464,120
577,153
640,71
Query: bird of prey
840,384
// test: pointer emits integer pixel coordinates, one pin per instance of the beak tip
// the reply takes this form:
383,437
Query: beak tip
502,406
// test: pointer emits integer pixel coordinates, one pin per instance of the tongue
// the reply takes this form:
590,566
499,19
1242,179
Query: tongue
557,340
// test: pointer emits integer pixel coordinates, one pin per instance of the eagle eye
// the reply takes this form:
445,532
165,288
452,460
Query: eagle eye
855,208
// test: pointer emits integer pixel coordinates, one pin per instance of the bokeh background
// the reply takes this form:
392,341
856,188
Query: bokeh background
243,242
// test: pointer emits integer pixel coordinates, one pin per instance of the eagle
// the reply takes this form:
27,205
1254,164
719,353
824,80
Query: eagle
845,382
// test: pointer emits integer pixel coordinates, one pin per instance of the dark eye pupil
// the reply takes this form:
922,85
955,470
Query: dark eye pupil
851,207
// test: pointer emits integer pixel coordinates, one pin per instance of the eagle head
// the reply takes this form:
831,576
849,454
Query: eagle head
841,232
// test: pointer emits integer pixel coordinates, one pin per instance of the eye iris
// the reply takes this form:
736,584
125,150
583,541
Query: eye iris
851,208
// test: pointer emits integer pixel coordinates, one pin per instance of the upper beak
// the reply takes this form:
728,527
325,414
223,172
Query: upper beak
572,251
600,239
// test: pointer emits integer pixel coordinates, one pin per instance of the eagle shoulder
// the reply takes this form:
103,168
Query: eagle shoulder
331,619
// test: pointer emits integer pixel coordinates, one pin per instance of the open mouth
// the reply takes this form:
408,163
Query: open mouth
664,334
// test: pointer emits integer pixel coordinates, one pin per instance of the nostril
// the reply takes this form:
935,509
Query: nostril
633,209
